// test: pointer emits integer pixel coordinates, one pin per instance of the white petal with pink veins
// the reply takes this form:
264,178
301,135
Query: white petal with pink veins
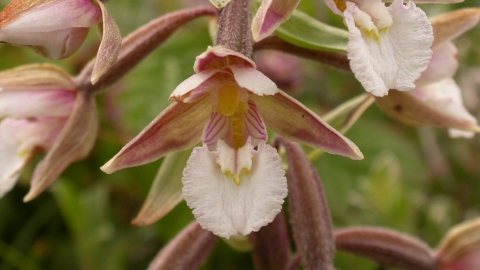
226,208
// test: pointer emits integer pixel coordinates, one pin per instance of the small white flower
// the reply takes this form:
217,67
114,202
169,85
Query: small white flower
389,47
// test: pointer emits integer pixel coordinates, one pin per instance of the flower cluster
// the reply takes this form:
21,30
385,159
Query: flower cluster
235,182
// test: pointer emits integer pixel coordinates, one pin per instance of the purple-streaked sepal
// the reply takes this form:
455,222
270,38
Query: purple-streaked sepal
292,120
177,128
270,15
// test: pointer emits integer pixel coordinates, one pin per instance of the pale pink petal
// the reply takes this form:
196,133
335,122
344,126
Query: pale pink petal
56,44
396,57
443,65
31,103
55,15
218,57
292,120
108,51
55,29
254,81
177,128
446,97
185,88
270,15
225,208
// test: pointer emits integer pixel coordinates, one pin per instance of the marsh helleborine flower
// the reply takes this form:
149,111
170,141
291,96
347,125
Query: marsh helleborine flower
57,28
437,99
234,183
388,47
41,109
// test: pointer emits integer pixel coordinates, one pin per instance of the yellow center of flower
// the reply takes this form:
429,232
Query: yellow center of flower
231,105
228,99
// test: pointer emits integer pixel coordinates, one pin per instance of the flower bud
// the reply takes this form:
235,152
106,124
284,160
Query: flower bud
57,28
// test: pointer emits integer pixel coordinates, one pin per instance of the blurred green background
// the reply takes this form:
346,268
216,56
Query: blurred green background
415,180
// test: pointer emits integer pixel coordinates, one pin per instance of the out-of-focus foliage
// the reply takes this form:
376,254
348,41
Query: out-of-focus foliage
416,180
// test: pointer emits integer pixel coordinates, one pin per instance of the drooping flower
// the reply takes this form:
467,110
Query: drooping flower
437,99
41,110
389,47
235,182
57,28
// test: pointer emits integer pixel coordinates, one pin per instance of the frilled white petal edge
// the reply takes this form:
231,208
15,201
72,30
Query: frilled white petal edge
56,15
447,95
443,65
254,80
36,103
17,140
225,208
396,58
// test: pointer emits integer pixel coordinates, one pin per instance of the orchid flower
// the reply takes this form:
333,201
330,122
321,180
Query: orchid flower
437,99
388,47
234,183
57,28
40,109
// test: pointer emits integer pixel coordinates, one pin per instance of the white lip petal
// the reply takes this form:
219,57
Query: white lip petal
396,57
225,208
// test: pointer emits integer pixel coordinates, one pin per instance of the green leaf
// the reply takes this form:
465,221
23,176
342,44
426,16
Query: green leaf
307,32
